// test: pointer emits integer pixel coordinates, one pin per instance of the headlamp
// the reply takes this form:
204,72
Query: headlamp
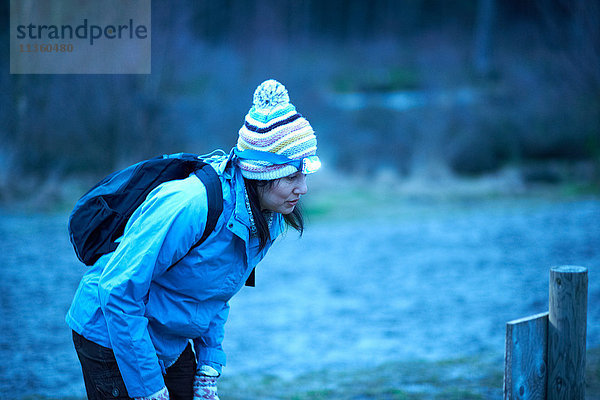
306,165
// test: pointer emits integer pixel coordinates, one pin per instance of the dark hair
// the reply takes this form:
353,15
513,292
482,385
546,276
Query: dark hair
293,219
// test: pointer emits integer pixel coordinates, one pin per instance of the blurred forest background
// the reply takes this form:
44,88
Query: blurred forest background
420,89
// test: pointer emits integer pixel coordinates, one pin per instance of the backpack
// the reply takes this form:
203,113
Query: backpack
99,216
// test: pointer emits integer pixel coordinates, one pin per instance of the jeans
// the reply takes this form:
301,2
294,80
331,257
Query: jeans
103,379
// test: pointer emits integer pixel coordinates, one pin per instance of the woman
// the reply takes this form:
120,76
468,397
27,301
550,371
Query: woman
147,326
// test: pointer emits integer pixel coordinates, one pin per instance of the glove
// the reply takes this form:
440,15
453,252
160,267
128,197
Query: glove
205,383
162,394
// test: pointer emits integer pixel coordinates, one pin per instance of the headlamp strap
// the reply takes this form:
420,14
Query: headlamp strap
272,158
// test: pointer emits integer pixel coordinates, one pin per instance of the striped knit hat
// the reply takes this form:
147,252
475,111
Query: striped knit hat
273,125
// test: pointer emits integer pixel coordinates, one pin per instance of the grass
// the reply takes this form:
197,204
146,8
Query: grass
334,196
457,379
592,373
470,378
377,80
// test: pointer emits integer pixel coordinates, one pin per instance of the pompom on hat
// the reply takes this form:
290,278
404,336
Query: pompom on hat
274,126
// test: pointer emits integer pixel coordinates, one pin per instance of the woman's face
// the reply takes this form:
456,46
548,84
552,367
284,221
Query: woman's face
284,194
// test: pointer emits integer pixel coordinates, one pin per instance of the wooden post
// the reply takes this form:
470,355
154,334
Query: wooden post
567,333
525,372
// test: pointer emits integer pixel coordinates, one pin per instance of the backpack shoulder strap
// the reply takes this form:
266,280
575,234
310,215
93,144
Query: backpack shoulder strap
214,193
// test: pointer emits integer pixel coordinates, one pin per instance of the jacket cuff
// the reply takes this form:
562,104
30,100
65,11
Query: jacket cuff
208,355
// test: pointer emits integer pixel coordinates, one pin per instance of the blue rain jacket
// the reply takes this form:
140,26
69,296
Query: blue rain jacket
135,301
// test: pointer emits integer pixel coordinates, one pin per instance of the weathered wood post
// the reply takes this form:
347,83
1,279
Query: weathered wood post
525,370
567,322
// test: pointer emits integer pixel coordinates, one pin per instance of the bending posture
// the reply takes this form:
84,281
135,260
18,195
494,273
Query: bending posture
148,319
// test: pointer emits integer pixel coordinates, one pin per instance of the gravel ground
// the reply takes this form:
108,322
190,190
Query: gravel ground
431,285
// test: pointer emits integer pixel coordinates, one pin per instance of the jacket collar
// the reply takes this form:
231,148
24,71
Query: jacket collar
232,173
225,165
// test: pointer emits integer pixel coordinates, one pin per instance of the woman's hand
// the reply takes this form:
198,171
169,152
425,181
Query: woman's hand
162,394
205,383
